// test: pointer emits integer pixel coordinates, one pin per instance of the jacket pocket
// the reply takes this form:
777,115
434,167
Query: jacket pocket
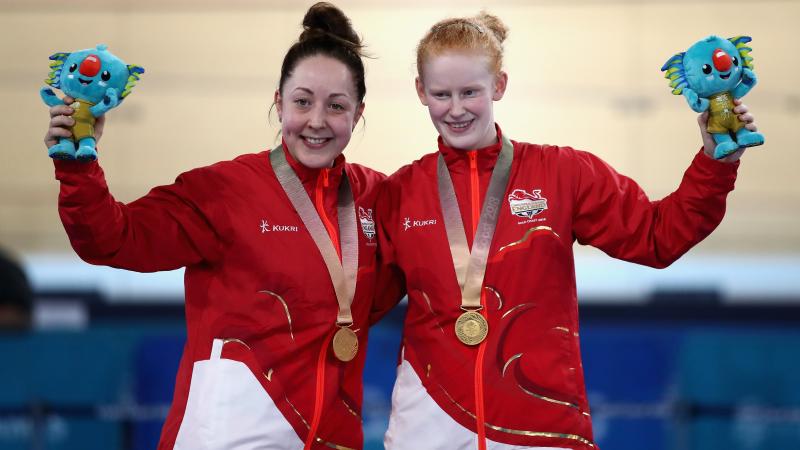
228,409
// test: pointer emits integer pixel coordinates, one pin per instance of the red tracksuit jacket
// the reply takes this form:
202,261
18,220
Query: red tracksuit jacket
253,277
528,371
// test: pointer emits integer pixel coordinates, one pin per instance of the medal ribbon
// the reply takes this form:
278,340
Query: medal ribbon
342,274
470,267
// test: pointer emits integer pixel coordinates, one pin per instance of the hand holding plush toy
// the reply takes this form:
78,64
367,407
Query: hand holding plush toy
98,81
710,75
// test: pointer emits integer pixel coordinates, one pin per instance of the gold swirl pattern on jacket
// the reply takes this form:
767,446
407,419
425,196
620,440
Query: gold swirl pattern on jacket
525,237
533,394
548,399
510,360
520,306
496,294
237,341
430,307
352,411
297,412
285,309
331,445
545,434
316,438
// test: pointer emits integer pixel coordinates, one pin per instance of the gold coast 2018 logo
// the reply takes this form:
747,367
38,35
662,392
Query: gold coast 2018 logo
526,205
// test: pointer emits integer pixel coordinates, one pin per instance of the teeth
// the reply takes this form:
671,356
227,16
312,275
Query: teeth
315,141
460,124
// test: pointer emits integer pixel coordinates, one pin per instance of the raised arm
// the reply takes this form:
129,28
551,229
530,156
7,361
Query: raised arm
614,214
166,229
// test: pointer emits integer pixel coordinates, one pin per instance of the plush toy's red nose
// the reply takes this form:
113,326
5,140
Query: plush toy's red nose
721,60
90,66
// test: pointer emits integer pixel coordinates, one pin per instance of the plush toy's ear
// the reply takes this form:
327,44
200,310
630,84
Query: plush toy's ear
675,73
54,77
744,51
133,77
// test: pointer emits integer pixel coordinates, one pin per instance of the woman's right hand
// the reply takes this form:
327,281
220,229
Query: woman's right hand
61,120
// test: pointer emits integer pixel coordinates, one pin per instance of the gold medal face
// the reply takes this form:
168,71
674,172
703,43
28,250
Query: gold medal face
471,328
345,344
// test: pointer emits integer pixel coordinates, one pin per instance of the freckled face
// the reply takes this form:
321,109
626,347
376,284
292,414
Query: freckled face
458,89
318,110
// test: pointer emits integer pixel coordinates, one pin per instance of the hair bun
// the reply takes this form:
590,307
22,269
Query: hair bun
493,23
323,18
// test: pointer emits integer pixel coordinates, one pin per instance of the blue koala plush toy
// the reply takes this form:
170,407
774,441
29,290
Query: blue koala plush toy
710,74
98,81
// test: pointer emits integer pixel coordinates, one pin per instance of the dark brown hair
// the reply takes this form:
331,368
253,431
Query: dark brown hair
327,31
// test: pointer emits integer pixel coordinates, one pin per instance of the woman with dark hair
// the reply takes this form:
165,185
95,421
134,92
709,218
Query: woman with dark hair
279,250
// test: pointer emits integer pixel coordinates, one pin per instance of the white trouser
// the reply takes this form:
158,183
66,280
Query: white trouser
228,409
418,423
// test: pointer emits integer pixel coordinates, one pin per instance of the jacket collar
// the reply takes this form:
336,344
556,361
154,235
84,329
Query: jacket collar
310,176
457,160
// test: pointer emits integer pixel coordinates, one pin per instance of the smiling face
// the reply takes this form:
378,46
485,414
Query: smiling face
458,88
712,65
318,109
87,74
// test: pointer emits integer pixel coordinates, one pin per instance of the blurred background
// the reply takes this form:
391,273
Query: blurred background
702,355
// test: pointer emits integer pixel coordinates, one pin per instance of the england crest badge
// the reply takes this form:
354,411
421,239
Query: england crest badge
526,205
367,224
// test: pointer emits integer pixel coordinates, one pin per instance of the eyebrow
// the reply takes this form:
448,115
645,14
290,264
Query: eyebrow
309,91
475,87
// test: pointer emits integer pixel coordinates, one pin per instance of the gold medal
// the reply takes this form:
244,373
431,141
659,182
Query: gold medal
343,269
345,344
470,263
471,328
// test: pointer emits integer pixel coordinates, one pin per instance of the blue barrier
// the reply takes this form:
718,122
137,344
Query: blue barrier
666,386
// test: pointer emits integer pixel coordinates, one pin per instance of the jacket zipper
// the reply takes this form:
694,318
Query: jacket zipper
474,191
475,202
322,183
319,395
